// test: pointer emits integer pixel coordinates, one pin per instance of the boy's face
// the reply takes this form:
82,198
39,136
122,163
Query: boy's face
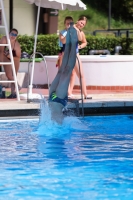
67,23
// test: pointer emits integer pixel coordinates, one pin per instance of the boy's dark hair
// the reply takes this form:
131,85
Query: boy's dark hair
14,29
68,18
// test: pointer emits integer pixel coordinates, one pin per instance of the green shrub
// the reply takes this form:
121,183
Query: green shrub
100,43
26,43
48,44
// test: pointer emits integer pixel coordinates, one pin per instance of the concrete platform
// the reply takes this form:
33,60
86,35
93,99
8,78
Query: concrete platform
102,102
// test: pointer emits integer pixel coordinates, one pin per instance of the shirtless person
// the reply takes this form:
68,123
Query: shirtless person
5,57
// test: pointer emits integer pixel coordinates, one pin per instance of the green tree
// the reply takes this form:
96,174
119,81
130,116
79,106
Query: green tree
120,9
128,5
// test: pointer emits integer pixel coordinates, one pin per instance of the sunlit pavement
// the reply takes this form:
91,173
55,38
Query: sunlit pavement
100,99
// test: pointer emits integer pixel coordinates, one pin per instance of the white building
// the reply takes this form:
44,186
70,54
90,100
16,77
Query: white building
22,16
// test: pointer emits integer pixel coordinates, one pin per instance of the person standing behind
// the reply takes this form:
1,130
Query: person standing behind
5,57
80,25
62,41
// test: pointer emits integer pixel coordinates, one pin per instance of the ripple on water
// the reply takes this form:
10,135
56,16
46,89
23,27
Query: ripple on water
90,157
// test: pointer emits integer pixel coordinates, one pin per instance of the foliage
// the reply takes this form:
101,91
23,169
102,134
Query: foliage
120,9
48,44
26,43
97,18
101,43
128,5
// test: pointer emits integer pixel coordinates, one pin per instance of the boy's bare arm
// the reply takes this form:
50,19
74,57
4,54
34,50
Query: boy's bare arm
62,39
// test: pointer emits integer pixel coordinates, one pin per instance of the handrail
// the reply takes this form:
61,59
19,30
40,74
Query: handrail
28,100
116,31
103,51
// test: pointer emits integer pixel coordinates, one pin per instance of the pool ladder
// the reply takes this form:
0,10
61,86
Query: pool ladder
8,44
76,103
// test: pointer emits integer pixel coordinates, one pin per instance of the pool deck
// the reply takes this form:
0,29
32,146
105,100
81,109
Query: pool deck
102,102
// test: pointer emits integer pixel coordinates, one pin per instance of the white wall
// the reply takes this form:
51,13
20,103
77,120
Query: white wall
6,8
23,17
110,70
40,75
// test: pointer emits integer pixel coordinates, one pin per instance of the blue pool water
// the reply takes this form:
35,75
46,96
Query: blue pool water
83,159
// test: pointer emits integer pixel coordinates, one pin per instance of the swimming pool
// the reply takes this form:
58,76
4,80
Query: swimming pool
90,158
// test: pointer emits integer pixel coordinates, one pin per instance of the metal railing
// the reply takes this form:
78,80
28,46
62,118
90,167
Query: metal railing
116,32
